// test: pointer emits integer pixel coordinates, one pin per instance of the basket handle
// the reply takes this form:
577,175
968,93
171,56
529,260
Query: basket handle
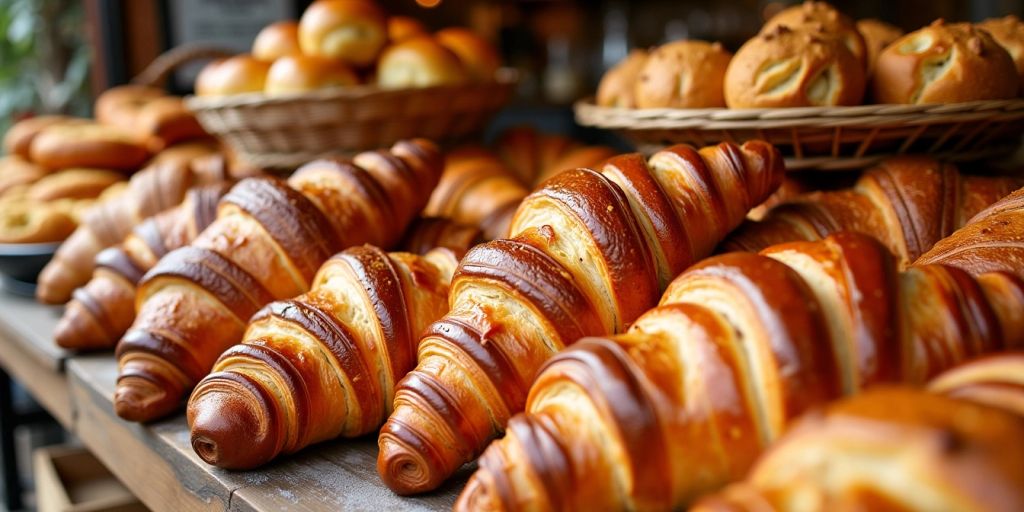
156,72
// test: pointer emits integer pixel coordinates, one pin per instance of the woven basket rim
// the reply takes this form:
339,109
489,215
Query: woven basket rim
589,113
503,77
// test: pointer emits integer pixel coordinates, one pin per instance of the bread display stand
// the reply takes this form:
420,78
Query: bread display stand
156,461
827,138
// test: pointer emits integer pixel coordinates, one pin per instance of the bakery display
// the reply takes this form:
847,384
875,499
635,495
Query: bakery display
321,365
1008,31
888,449
590,250
267,242
686,399
944,63
909,203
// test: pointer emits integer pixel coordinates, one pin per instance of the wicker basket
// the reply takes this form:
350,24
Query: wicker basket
828,138
286,131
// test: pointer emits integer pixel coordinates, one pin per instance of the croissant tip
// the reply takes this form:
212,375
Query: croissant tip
475,496
141,400
219,417
403,470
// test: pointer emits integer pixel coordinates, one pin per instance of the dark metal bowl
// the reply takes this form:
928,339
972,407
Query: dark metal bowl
20,265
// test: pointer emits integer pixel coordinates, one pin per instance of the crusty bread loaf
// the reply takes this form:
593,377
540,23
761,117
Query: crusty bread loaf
683,74
785,67
619,83
944,63
822,18
1008,31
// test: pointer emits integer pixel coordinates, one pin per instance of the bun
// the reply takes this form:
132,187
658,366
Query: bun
824,20
1008,31
62,146
300,73
354,31
16,171
401,28
18,139
877,36
168,122
619,83
74,184
944,63
784,67
26,222
478,56
120,106
419,62
683,74
234,75
276,40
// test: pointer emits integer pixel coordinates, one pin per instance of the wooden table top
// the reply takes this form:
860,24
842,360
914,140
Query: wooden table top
156,461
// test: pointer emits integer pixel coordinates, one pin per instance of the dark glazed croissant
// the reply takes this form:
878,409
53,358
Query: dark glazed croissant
268,241
684,401
590,251
323,364
907,202
101,311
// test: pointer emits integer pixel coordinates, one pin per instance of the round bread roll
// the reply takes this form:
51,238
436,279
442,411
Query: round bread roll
1009,33
478,56
822,18
18,139
120,106
25,222
877,35
618,83
168,122
276,40
401,28
944,63
419,62
73,184
15,171
64,146
354,31
302,73
234,75
793,68
683,74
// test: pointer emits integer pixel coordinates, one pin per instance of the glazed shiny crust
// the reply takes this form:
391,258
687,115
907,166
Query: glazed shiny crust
992,240
267,243
428,233
101,311
1008,31
907,202
619,83
786,67
888,449
683,74
156,188
741,344
824,19
590,251
944,63
321,365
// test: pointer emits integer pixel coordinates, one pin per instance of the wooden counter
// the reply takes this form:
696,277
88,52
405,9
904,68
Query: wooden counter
156,461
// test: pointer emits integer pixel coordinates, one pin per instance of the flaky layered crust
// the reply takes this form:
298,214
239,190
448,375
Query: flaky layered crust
591,249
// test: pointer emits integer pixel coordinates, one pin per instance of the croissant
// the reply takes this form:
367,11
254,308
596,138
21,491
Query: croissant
268,241
992,240
150,191
996,380
590,252
323,364
428,233
888,449
101,311
907,202
684,401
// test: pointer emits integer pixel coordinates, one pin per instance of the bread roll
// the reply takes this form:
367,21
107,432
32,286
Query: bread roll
18,139
478,56
73,184
302,73
234,75
63,146
26,222
401,28
793,68
120,106
276,40
419,62
167,121
683,74
822,18
618,83
944,63
15,171
1008,31
354,31
877,35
